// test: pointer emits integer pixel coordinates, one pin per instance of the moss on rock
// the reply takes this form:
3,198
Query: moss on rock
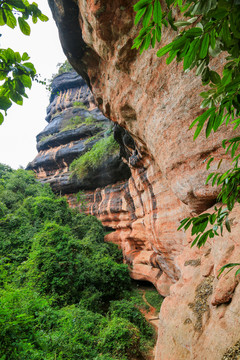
95,157
200,305
232,353
193,262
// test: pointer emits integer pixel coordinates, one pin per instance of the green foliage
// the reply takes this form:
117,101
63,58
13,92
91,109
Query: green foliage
81,201
92,159
4,169
58,260
89,120
78,121
95,137
57,280
120,338
76,334
80,104
200,223
154,299
62,68
20,310
136,297
73,123
214,30
16,72
47,137
31,328
128,310
229,267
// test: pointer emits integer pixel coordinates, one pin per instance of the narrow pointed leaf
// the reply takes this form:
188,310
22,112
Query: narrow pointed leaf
157,13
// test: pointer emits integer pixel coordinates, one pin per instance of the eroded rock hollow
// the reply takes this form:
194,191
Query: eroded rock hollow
153,105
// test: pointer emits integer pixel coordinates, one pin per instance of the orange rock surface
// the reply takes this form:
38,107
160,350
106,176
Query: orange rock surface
156,103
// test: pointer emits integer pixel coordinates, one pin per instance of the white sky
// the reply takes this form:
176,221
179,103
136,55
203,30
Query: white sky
22,123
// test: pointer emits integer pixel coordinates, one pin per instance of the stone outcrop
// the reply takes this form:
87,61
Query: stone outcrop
75,126
155,104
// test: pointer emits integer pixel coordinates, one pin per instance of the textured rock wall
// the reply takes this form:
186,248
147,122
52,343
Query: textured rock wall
146,235
156,103
75,124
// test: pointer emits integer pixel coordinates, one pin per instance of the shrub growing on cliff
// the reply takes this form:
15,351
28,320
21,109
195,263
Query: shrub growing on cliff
96,156
62,68
77,121
80,104
208,29
73,123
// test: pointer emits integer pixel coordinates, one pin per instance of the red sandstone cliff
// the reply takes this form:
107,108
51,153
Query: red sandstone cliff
156,103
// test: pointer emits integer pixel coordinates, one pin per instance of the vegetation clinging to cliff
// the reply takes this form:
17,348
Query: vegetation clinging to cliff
96,156
78,121
209,28
62,68
57,280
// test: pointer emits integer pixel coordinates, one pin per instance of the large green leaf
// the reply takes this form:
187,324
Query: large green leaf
25,28
43,17
139,15
147,16
11,20
29,67
16,97
19,87
157,13
10,55
25,56
191,54
5,103
193,32
158,33
203,117
164,50
1,118
17,4
26,81
215,77
204,46
2,17
140,4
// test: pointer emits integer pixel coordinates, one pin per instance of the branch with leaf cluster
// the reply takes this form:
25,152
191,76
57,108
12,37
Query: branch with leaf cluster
208,28
16,72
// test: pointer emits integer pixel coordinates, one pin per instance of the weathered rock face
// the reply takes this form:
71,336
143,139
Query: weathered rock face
156,103
75,125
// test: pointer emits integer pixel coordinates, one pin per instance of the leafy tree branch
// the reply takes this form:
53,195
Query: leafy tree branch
16,72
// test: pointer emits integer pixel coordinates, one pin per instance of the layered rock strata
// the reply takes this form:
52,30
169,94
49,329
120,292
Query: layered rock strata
156,104
75,125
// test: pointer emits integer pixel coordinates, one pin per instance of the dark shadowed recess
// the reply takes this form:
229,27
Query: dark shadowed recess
66,14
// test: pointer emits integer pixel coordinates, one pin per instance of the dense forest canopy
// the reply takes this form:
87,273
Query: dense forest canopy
64,293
